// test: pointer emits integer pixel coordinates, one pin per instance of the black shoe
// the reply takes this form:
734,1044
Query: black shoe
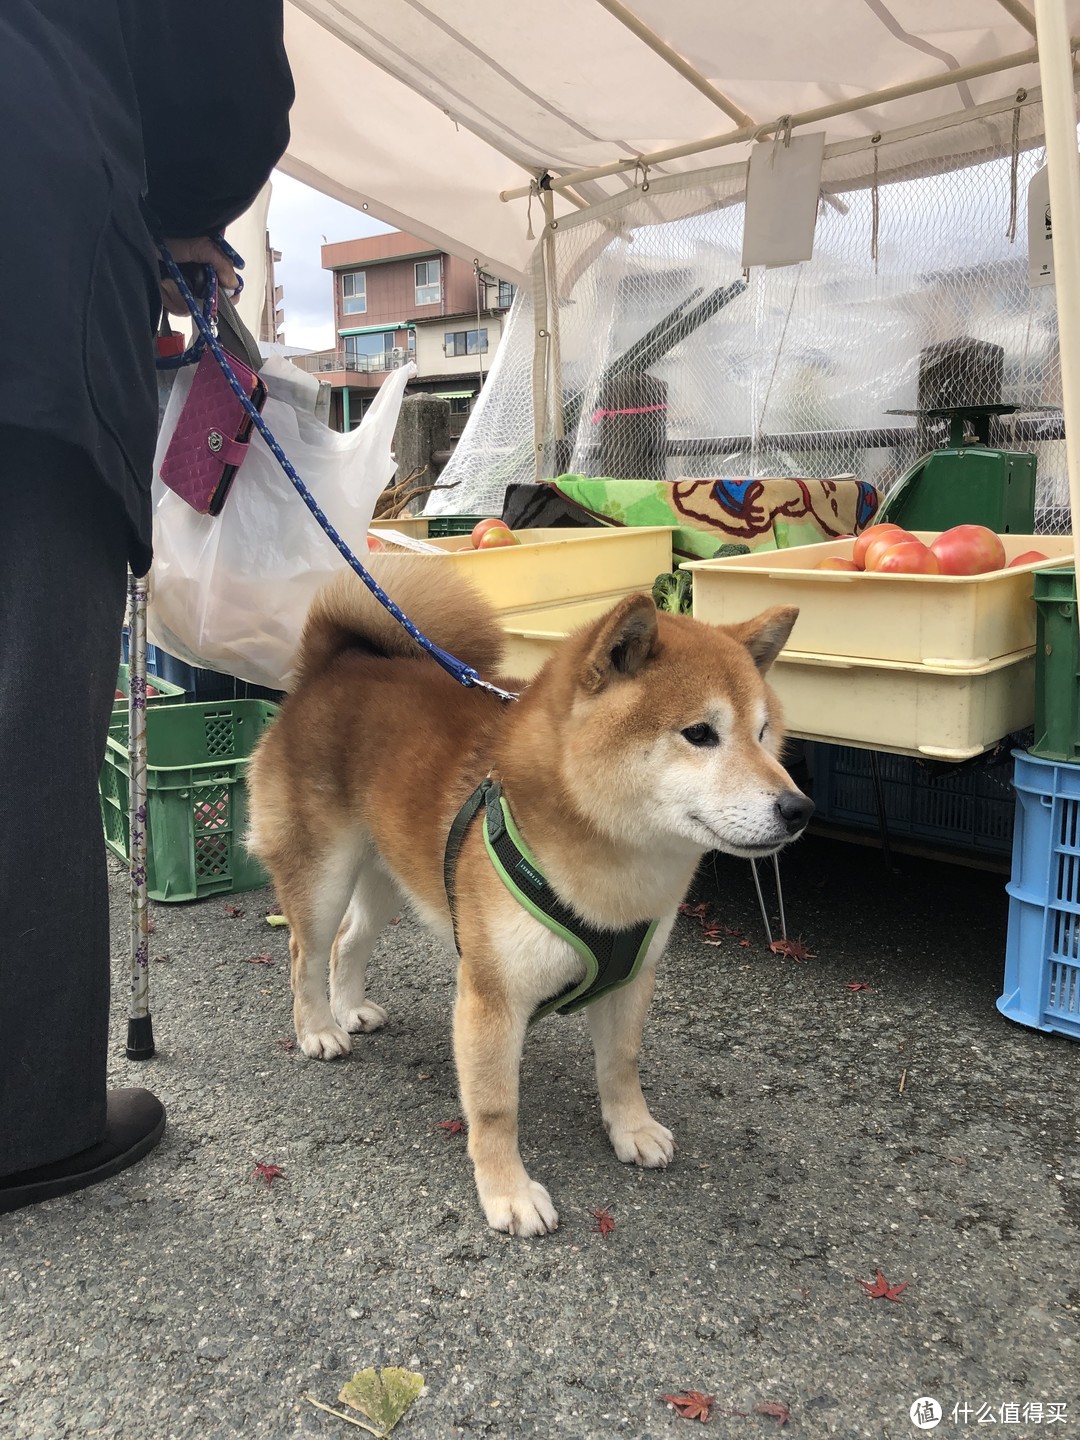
134,1124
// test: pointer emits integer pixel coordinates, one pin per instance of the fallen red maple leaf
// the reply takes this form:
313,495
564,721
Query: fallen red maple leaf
793,949
775,1411
692,1405
700,909
286,1042
744,944
452,1127
269,1173
880,1289
605,1223
858,985
261,959
234,911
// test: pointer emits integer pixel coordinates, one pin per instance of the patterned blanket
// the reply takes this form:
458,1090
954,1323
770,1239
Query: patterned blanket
763,514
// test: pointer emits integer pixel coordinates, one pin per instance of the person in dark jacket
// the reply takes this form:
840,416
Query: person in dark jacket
118,127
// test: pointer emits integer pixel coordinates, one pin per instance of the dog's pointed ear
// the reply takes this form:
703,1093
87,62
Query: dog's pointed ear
767,634
621,643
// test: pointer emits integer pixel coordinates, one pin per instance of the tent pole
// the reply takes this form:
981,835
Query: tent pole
1059,122
554,388
541,345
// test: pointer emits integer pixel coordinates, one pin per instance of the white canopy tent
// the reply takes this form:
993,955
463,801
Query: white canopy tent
475,124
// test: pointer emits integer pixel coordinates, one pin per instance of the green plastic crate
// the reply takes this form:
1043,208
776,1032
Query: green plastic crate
158,691
440,526
196,796
1057,667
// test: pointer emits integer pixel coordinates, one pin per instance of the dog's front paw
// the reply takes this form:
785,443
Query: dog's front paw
326,1043
525,1211
647,1143
365,1016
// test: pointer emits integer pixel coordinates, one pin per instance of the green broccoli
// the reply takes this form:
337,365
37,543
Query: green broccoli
673,592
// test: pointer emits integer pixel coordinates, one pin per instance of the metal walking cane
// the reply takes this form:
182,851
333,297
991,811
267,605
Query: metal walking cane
140,1035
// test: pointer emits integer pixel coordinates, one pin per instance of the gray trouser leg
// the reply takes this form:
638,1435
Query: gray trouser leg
63,546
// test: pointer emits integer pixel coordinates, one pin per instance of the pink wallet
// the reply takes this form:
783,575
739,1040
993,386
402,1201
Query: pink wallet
211,438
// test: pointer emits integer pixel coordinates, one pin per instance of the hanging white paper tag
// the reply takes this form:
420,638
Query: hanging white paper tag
782,189
1040,235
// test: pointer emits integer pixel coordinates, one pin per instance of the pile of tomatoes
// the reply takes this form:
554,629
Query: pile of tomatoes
888,549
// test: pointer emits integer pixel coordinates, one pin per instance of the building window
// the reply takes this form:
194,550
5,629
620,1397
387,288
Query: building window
368,353
506,294
428,287
354,293
412,342
465,342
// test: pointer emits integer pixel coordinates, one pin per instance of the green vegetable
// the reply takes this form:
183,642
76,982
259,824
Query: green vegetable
723,551
674,592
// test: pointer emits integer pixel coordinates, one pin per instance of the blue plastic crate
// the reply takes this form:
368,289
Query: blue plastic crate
1042,954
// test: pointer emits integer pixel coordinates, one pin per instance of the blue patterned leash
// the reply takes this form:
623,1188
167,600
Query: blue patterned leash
205,321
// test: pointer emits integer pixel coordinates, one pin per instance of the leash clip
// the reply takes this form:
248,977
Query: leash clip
491,689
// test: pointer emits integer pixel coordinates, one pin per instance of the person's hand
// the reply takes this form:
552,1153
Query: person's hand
198,250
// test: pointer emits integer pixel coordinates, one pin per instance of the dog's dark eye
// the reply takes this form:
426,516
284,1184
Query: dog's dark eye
762,735
701,735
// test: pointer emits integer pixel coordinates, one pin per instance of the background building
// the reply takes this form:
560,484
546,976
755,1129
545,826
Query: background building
398,299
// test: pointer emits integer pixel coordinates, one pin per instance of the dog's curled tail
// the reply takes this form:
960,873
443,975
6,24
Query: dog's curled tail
441,604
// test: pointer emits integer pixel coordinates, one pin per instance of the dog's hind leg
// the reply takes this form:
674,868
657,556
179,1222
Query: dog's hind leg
375,901
315,911
616,1022
489,1032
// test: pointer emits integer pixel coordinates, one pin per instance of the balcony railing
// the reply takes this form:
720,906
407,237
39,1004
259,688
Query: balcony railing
325,361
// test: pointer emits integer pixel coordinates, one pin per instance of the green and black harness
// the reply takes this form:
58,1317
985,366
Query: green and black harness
611,957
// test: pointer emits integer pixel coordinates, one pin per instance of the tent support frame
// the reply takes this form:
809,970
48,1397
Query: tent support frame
744,133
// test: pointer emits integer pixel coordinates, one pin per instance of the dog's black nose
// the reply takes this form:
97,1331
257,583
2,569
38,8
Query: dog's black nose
795,810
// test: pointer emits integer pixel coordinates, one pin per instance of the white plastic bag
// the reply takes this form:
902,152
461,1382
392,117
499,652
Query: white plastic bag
231,593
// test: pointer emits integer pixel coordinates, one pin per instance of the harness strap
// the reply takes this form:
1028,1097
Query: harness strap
611,957
462,821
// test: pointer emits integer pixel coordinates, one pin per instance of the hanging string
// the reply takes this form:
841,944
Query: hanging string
642,170
875,205
1021,96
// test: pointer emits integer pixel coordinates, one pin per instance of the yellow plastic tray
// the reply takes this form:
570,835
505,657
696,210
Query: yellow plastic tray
910,709
552,567
940,620
414,525
939,712
533,636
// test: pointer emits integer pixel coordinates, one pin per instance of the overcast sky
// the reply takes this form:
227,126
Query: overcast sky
300,221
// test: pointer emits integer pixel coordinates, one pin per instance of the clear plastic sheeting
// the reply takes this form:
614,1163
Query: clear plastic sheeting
920,239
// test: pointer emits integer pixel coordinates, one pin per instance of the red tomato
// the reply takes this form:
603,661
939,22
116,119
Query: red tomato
867,538
878,546
836,562
1029,557
481,529
910,557
496,537
969,550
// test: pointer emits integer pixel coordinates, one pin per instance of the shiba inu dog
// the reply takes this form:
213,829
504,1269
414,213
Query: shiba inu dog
646,741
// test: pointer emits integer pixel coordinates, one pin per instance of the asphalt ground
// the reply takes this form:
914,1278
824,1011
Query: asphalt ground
825,1133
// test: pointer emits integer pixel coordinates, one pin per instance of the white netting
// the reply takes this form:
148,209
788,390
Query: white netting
788,376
